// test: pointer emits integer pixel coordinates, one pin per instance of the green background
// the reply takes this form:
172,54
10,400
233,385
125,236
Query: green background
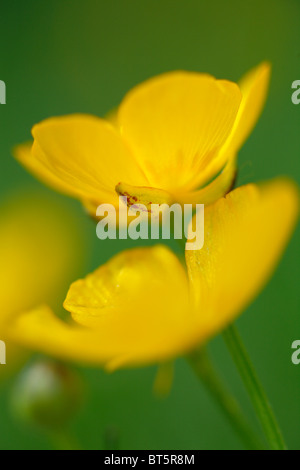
60,57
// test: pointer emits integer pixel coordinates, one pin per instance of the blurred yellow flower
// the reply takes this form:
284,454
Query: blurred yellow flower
174,138
39,257
142,307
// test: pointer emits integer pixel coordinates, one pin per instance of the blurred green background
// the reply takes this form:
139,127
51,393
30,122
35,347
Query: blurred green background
60,57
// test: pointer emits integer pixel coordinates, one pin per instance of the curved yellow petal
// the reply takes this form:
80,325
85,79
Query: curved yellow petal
23,153
41,330
81,155
130,289
133,310
245,234
176,123
138,302
254,87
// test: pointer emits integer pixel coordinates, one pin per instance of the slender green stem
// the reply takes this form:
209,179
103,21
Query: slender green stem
228,405
257,394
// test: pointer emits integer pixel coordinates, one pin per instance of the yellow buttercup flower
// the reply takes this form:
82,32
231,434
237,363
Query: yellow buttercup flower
174,138
39,255
142,307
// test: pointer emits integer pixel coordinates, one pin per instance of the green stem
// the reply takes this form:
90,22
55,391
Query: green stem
228,405
257,394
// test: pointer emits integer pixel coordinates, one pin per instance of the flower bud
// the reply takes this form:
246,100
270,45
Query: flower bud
47,394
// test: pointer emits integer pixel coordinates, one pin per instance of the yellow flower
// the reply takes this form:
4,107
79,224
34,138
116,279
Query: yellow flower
39,255
174,138
142,307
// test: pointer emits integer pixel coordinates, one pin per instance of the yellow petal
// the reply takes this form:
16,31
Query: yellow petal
137,305
81,155
23,153
133,284
41,330
254,87
245,234
138,302
176,123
